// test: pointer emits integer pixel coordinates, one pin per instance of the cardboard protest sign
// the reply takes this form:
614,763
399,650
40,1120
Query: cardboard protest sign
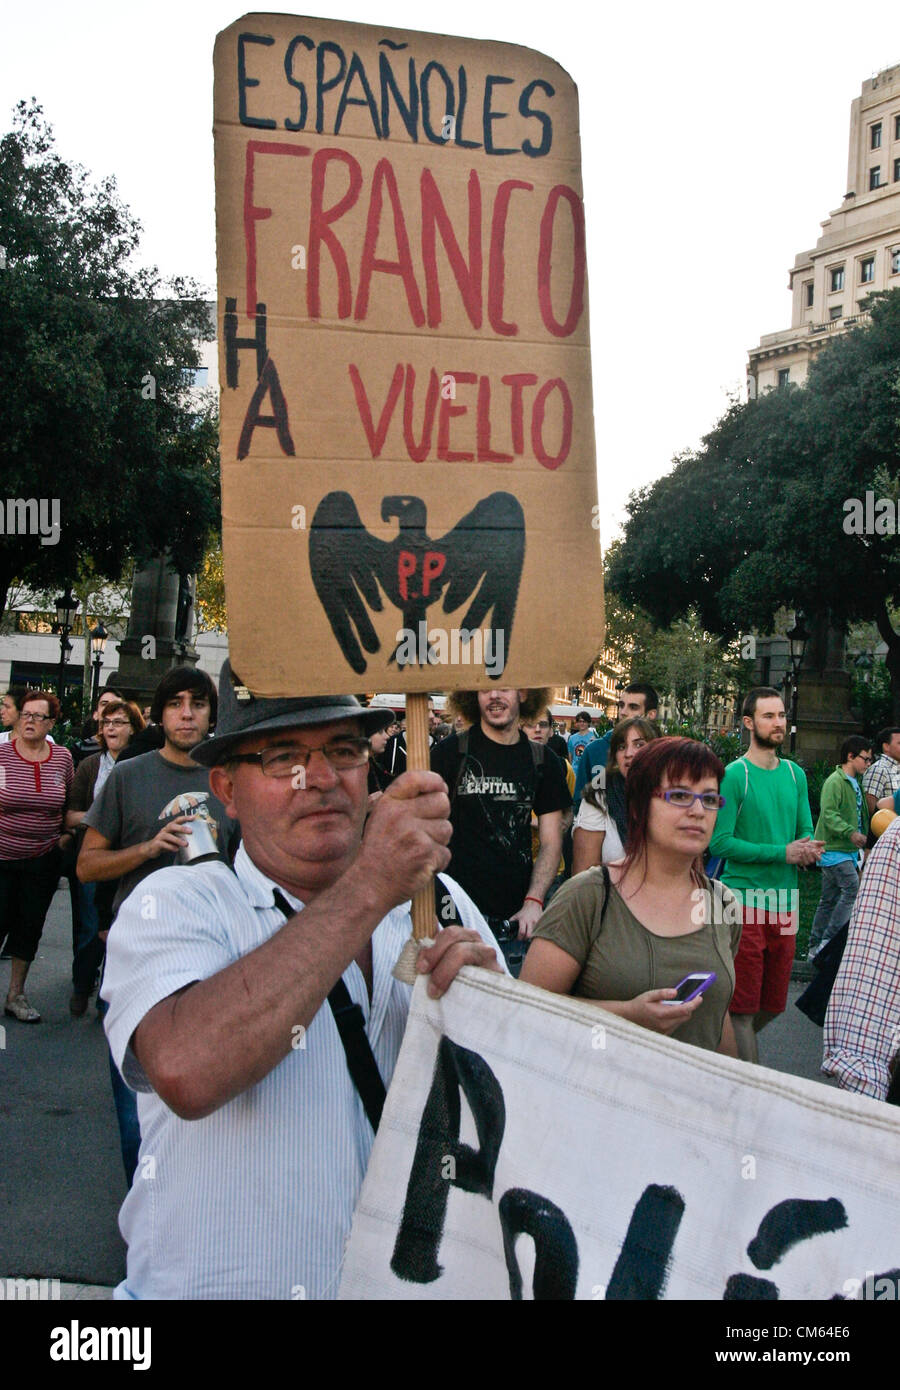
638,1167
406,420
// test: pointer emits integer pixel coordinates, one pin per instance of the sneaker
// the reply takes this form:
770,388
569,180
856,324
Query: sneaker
19,1007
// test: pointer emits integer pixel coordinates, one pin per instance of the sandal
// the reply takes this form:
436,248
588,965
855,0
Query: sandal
19,1007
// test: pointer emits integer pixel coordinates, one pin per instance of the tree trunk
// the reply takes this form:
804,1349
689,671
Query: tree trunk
892,660
5,584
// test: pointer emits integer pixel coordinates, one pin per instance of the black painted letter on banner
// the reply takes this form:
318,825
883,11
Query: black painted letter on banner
555,1248
442,1162
643,1265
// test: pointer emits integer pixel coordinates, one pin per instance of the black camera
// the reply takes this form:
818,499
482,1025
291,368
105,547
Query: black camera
514,949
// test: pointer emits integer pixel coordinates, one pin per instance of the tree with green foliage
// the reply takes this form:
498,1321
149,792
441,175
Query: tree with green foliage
682,660
629,630
94,359
694,668
760,516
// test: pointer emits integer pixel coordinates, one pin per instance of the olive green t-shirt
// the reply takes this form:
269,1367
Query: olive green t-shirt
620,958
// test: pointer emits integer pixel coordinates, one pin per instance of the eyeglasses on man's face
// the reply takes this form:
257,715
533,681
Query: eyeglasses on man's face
681,797
282,761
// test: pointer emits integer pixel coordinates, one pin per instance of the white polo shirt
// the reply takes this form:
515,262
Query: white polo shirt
256,1200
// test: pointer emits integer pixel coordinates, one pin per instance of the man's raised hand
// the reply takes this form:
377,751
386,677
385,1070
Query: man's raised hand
407,834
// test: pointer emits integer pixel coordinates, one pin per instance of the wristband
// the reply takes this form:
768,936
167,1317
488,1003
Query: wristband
539,901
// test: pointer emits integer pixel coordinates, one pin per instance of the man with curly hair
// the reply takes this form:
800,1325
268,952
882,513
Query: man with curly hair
496,777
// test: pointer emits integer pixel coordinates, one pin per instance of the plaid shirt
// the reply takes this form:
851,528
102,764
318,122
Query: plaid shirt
882,778
862,1025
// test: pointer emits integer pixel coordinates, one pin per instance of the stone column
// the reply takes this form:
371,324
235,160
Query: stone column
824,718
156,641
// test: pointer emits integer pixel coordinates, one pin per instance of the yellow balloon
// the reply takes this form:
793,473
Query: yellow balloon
880,822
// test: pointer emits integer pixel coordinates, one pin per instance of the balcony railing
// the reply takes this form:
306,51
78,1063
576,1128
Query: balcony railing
835,325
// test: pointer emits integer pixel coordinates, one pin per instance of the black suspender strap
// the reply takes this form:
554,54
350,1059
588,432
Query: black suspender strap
361,1064
351,1026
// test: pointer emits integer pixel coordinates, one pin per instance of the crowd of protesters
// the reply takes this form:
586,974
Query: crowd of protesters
632,870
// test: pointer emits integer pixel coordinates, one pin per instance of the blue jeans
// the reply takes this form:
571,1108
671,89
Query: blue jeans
125,1102
839,887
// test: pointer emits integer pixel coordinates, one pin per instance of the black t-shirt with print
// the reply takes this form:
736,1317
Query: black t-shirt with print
491,815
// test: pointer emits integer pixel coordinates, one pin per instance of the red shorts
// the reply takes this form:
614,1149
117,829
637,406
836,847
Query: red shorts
763,963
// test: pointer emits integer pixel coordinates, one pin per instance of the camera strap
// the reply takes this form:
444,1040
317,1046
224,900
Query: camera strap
351,1026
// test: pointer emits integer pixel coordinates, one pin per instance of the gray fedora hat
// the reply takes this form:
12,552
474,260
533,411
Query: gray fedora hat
241,713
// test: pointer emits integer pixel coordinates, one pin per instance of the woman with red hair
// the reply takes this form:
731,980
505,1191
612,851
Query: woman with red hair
624,935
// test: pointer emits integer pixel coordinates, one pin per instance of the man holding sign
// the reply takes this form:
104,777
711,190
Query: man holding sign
255,1123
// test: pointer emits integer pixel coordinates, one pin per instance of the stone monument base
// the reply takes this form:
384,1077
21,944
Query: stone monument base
824,719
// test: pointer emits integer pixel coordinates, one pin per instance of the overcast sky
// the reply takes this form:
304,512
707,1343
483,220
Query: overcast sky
714,141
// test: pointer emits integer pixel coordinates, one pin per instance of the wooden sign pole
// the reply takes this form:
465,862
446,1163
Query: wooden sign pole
417,760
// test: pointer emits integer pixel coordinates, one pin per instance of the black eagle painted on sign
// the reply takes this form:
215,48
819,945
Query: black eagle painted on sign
479,560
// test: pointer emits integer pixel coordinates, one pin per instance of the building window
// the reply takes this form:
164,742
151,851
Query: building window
895,261
897,171
784,377
809,294
875,136
835,311
867,270
837,278
897,127
875,177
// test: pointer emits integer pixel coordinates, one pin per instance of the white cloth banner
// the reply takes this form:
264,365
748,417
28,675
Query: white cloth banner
534,1146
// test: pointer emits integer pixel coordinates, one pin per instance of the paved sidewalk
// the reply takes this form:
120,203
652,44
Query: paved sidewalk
61,1180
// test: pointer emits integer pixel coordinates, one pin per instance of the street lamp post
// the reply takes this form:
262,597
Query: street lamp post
798,638
98,643
66,608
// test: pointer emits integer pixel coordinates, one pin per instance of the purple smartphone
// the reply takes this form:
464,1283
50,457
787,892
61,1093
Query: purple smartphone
691,986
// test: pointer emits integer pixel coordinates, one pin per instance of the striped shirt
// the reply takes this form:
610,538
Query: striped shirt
33,798
862,1025
255,1200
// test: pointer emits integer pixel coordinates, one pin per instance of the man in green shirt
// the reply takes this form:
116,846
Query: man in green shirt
843,823
763,832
